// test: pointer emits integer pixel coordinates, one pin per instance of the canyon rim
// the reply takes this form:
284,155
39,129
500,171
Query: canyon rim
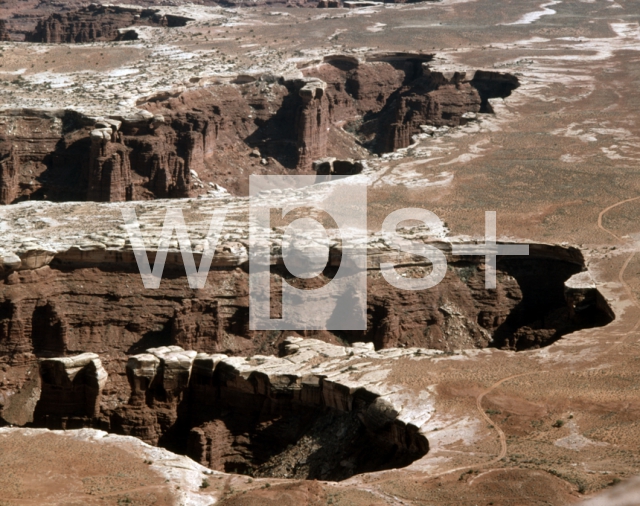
461,392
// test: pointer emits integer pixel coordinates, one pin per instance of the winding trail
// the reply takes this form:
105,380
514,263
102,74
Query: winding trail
606,210
502,436
632,298
623,269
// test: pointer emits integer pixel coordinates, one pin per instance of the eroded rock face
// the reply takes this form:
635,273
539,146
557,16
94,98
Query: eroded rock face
109,167
263,416
9,170
71,391
385,100
28,139
188,143
97,23
430,100
93,301
312,122
62,309
176,147
4,32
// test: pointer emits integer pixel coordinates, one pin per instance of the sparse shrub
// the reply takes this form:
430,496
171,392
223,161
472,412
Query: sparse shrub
205,484
558,423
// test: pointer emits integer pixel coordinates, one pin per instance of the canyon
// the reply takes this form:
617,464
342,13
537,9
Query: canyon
77,22
455,394
175,357
98,23
256,417
185,145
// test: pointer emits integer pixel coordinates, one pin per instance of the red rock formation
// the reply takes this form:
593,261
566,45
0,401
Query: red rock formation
354,89
4,32
443,106
96,23
228,414
73,307
396,93
94,301
179,143
71,391
9,169
27,140
201,131
81,26
233,414
109,168
312,124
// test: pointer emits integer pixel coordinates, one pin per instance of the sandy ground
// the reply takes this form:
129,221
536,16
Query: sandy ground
558,162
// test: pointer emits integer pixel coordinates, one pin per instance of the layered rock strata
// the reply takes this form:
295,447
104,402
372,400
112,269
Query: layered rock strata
189,143
98,23
384,102
70,286
4,31
71,389
65,292
299,416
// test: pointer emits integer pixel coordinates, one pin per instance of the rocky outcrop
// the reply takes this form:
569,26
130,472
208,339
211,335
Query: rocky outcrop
70,285
173,148
28,139
97,23
9,170
312,123
4,31
354,88
263,416
386,99
189,143
71,391
109,167
433,99
93,301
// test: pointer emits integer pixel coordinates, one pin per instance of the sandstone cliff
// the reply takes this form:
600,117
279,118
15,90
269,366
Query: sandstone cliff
186,143
262,416
384,101
4,31
97,23
71,292
93,301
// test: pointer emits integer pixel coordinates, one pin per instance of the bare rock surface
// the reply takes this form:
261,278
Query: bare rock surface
303,415
181,143
98,23
457,107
